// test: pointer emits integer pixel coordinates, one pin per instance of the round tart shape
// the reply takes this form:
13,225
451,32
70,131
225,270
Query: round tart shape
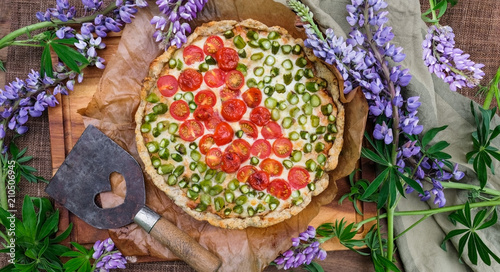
240,126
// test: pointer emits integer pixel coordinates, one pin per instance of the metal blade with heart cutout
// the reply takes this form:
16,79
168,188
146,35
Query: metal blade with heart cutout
85,173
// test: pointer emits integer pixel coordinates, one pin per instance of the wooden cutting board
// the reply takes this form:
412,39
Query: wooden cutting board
66,126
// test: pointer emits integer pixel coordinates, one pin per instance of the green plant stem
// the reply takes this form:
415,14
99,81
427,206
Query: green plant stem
3,188
433,12
433,211
412,226
390,231
492,91
9,38
456,185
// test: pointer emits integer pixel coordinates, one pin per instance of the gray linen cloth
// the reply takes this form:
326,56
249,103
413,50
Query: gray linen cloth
420,247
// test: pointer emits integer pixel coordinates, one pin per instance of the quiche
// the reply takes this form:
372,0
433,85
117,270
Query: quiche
240,126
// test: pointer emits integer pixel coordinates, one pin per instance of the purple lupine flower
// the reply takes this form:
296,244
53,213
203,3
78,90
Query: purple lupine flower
383,132
305,248
109,245
107,257
169,30
448,62
98,249
63,11
91,5
87,46
65,32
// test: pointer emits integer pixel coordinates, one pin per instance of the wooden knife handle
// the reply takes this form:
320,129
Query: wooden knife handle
181,244
184,246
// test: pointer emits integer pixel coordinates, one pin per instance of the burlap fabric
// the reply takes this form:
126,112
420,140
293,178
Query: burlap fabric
475,24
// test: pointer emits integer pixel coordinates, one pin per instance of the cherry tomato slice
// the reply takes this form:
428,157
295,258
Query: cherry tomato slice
205,98
259,180
212,45
213,158
282,147
192,54
214,78
206,142
271,131
190,80
261,148
167,85
252,97
212,123
223,133
245,172
235,80
233,109
280,189
272,167
226,94
227,58
179,110
260,116
298,177
230,162
191,130
240,147
249,128
203,113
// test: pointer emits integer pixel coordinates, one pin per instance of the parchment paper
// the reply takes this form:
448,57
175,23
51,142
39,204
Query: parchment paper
112,110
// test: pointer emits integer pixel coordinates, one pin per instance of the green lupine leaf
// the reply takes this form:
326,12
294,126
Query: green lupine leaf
73,264
482,249
413,184
494,134
69,41
376,183
46,63
441,155
313,267
367,153
429,20
472,250
387,263
29,215
427,12
491,222
442,10
459,217
383,194
394,178
495,154
462,242
429,135
478,218
2,68
437,147
63,235
49,226
80,247
69,56
450,235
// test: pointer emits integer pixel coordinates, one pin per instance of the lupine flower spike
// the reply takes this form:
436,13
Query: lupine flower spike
107,256
170,31
362,59
448,62
304,250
